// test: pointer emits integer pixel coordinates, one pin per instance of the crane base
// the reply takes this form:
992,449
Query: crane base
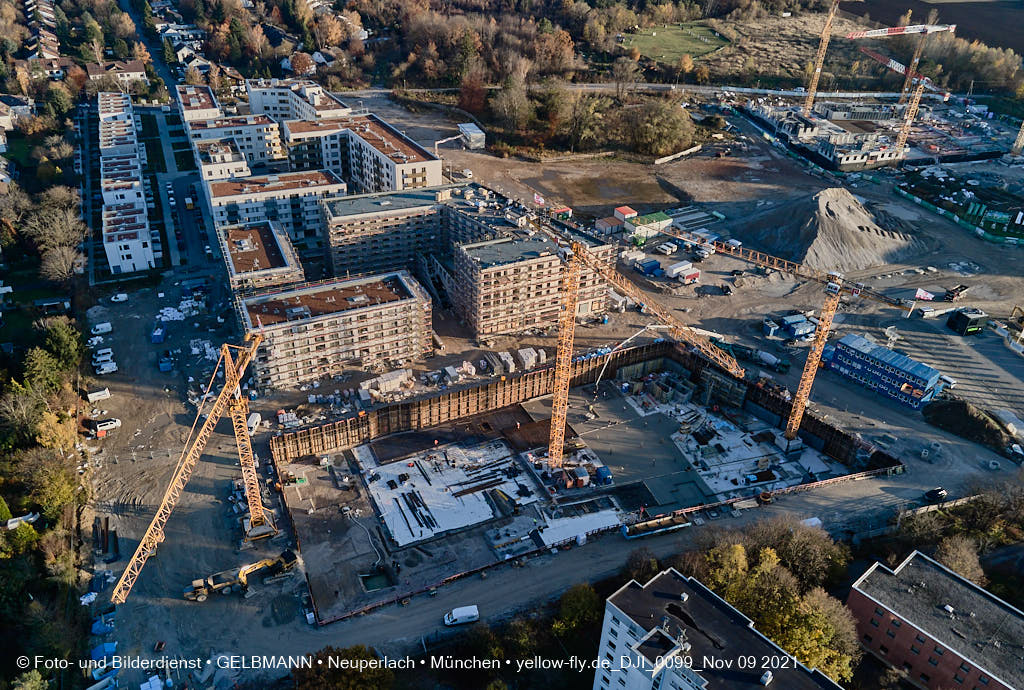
262,532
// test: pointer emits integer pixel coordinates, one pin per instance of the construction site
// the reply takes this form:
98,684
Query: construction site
489,388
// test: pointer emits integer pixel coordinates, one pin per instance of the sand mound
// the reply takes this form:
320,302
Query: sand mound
831,230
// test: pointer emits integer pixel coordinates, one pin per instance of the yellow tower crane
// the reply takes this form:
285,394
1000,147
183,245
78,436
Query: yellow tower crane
835,286
1018,144
577,259
819,59
231,400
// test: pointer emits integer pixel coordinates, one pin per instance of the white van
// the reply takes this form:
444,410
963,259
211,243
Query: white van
254,422
103,352
119,297
949,381
463,614
108,424
106,368
101,328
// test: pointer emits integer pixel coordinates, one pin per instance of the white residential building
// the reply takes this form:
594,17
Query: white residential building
674,633
219,159
258,137
369,153
126,72
290,199
126,238
293,99
197,103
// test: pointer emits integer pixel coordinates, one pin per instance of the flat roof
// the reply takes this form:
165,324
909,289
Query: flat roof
889,357
711,627
385,202
324,299
226,146
371,129
507,250
196,97
982,628
233,121
253,247
308,90
241,186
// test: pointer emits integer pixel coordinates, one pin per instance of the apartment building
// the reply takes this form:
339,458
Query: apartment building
674,633
127,239
940,629
258,256
220,159
258,137
197,103
511,284
369,153
326,328
371,233
292,200
121,179
293,99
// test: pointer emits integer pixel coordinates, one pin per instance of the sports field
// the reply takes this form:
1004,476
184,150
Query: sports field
668,44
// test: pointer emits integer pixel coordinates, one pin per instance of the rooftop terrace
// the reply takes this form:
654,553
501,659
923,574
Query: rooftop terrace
370,129
270,184
324,299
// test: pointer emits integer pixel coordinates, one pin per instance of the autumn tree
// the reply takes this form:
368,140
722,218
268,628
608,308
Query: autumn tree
960,554
59,263
685,65
473,92
584,122
301,63
702,74
52,227
193,77
59,432
624,73
328,30
658,127
53,487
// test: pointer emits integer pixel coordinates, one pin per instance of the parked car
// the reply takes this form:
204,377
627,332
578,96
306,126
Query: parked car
462,614
101,328
119,297
106,424
106,368
937,494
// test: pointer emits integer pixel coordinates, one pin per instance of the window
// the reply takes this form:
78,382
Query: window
622,682
938,650
925,677
605,680
965,668
983,679
919,638
879,612
611,645
883,649
867,638
958,678
609,657
896,623
915,650
874,622
933,661
890,633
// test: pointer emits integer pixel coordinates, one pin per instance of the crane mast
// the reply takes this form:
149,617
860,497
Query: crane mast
819,59
803,389
234,369
569,294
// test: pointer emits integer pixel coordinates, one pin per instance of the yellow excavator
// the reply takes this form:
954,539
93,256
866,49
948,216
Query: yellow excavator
237,580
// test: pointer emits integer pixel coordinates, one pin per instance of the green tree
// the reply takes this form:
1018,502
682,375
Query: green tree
91,30
62,340
329,677
53,488
168,51
580,606
824,636
584,122
5,512
42,370
58,99
658,127
19,540
521,638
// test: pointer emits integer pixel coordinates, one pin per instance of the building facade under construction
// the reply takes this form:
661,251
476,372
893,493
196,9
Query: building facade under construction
324,329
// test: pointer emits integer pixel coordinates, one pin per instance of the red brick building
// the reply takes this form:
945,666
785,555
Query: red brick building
941,629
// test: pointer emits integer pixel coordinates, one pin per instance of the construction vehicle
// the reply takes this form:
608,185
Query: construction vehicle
230,399
237,580
955,293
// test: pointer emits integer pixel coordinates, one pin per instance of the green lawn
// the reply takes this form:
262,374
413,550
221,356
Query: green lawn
155,156
18,148
185,160
667,45
150,129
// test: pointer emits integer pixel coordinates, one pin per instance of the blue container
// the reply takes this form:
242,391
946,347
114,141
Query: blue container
159,333
603,475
